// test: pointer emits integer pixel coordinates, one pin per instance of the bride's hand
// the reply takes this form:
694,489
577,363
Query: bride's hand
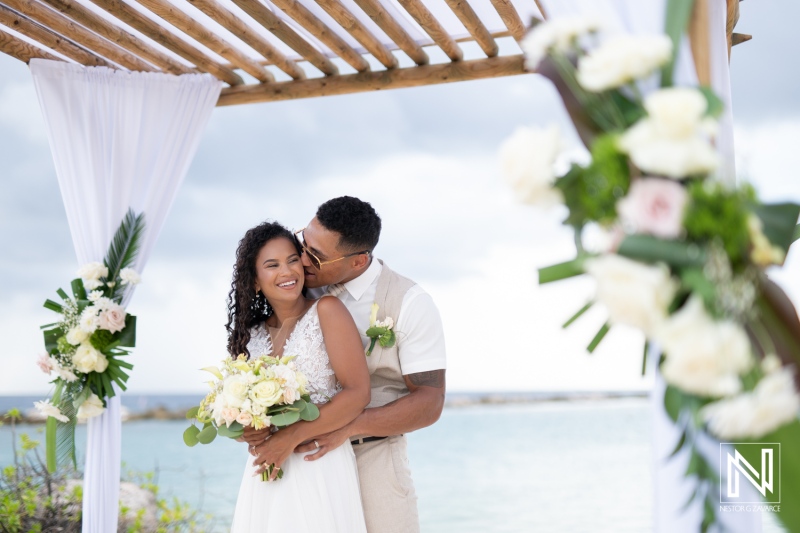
254,437
323,444
274,450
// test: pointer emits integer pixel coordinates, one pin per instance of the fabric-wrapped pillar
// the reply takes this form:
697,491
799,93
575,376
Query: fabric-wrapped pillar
119,140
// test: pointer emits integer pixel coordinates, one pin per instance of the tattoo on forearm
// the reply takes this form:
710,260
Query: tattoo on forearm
433,378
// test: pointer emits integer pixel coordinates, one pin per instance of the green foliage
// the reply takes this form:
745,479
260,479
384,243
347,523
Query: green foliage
715,212
101,338
63,346
123,248
591,193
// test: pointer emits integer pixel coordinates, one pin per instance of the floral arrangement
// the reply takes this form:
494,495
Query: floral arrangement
259,392
85,347
380,331
685,257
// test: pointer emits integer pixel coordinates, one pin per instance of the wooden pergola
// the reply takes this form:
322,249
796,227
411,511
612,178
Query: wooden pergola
269,50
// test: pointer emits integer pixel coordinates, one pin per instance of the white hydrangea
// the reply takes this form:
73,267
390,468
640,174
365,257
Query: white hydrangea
556,35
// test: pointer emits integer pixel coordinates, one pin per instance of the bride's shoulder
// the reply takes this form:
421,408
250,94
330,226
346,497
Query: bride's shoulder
328,306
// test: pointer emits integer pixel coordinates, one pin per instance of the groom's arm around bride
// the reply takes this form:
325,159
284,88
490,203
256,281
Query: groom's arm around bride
407,377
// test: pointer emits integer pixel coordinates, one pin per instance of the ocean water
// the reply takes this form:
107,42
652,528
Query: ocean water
552,467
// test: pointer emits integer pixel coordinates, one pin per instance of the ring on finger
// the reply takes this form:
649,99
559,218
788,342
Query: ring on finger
316,444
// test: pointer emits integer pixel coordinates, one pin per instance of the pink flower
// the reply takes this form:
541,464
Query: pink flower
113,318
654,206
229,414
46,363
245,418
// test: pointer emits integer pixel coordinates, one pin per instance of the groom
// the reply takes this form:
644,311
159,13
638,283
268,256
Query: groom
407,379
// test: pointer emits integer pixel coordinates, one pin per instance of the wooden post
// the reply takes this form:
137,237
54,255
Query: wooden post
700,42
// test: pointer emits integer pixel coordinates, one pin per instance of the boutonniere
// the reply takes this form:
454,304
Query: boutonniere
380,331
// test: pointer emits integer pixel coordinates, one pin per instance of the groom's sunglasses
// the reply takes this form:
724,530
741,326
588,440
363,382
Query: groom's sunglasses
315,261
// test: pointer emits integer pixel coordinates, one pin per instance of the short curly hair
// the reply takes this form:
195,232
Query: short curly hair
246,307
356,222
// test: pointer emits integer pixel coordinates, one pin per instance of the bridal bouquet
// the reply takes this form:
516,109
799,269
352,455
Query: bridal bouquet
685,257
85,346
260,392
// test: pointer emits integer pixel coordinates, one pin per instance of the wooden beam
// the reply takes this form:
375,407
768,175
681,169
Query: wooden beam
133,18
541,8
19,49
50,39
116,34
207,38
353,26
510,17
394,30
264,16
433,28
60,24
474,26
700,42
304,17
375,81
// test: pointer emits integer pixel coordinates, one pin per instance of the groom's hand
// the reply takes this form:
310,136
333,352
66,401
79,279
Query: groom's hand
323,444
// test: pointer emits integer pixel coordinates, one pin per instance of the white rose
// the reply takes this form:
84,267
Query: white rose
129,276
634,293
559,35
75,336
234,390
229,415
93,271
92,407
88,320
622,59
48,409
703,356
112,318
88,359
527,159
673,140
266,393
290,395
751,415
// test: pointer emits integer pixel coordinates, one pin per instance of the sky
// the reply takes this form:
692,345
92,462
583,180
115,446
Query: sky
426,158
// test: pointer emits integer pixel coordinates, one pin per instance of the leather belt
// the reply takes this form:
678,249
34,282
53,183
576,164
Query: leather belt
365,439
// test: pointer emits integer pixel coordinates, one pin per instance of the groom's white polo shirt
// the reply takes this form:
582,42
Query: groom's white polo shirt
420,337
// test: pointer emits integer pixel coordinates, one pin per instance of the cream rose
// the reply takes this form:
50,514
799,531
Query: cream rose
244,418
673,140
229,415
93,406
88,359
773,403
234,391
75,336
93,271
622,59
112,318
634,293
703,356
528,158
266,393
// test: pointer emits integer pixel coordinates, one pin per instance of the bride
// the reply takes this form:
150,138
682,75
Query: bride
268,314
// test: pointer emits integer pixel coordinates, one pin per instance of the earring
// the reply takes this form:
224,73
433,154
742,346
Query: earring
261,305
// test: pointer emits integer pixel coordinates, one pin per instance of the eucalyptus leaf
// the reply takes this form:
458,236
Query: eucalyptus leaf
207,435
225,431
285,419
310,413
190,435
192,413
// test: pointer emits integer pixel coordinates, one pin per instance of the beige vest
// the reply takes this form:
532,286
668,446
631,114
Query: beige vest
386,376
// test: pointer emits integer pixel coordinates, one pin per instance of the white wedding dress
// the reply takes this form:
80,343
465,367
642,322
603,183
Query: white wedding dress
319,496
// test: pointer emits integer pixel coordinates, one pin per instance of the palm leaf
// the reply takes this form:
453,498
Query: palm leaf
124,246
65,432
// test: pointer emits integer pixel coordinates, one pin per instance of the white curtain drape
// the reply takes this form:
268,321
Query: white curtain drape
671,489
119,140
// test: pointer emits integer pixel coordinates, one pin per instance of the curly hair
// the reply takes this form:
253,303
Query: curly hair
356,222
246,307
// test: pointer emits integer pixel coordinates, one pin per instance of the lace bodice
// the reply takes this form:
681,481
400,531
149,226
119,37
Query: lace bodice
306,343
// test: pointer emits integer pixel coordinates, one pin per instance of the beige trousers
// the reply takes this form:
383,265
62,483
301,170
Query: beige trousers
387,492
